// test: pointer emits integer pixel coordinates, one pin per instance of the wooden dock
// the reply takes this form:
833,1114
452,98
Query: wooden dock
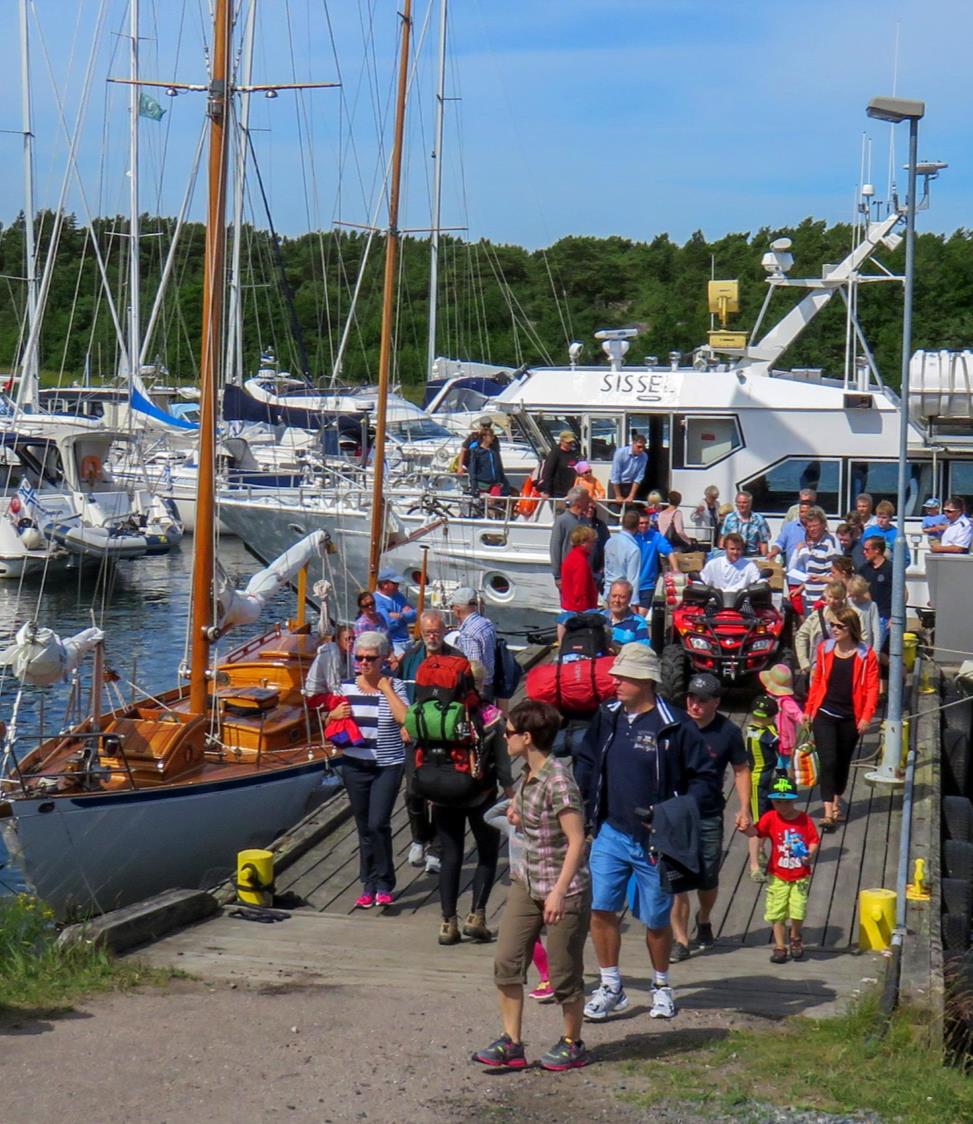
399,943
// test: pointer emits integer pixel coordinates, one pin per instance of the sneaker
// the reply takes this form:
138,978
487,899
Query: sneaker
565,1054
416,854
383,898
663,1005
476,927
449,931
543,993
779,956
679,952
365,901
502,1054
704,933
433,864
604,1002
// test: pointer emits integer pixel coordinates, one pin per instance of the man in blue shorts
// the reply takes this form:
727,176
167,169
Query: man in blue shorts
638,751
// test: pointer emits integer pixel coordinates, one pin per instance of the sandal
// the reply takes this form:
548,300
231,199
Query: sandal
827,824
797,948
779,956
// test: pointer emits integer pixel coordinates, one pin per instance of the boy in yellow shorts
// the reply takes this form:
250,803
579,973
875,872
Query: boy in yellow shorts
793,844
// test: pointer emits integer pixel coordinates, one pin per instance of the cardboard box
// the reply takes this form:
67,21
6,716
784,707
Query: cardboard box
776,578
691,560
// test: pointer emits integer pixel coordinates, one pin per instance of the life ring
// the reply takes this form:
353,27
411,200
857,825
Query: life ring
91,468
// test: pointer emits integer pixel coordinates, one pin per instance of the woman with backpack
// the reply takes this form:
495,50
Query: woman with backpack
451,818
670,523
372,771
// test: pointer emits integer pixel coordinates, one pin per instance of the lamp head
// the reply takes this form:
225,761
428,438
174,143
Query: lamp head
895,110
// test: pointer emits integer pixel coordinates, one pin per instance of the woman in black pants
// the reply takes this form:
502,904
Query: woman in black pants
450,822
841,702
372,772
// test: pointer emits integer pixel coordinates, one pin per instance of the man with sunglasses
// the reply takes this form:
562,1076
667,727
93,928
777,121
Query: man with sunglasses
958,536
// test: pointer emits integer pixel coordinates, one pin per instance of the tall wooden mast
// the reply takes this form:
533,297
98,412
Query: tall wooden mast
204,537
388,306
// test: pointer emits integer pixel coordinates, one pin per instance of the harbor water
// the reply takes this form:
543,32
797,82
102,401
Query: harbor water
142,606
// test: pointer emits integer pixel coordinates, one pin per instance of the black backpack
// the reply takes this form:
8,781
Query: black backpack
507,672
587,635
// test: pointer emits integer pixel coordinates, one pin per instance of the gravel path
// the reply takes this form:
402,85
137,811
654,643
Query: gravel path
198,1052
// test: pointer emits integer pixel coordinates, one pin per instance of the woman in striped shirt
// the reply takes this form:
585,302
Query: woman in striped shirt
372,772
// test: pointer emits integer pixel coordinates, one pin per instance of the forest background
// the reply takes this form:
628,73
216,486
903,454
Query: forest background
497,303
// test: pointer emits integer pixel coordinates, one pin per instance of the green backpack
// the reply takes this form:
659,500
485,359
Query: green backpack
435,721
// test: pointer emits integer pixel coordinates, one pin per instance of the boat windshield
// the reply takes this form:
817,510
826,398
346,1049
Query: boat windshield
418,429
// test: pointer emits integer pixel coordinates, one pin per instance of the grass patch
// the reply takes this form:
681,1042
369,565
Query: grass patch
37,975
831,1065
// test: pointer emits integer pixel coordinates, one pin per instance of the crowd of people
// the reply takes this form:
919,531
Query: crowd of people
634,817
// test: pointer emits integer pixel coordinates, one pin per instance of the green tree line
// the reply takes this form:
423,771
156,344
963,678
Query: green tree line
497,303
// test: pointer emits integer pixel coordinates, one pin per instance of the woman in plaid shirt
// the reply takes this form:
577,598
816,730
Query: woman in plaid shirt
553,888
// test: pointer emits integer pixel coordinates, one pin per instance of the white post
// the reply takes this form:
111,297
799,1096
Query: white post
437,192
29,371
134,281
234,319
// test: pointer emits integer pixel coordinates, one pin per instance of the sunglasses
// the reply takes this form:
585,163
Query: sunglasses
839,627
368,604
512,733
366,659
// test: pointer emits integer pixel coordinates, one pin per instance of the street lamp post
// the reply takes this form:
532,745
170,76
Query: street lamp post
896,110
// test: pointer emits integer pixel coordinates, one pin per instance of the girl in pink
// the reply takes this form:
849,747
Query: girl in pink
779,682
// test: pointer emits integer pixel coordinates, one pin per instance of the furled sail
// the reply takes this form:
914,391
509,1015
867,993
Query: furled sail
40,657
238,607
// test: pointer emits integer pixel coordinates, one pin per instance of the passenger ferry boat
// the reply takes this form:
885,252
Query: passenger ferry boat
732,418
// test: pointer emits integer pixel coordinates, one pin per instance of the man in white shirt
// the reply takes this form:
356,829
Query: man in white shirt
732,571
958,536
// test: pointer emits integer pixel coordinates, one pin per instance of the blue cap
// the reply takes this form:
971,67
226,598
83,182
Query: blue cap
390,575
783,788
933,501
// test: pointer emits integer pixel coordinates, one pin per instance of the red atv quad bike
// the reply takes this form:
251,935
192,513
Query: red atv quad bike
732,635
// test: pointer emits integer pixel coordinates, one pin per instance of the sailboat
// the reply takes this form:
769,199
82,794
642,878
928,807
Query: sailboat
162,791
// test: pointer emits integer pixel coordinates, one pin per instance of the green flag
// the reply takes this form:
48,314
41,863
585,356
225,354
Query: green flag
149,107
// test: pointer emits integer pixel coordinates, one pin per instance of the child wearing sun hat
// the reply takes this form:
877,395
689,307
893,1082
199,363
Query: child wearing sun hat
778,682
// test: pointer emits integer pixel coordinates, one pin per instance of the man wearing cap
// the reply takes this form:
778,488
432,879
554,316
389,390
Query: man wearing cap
476,637
934,522
392,605
473,440
628,469
958,536
558,471
724,743
638,752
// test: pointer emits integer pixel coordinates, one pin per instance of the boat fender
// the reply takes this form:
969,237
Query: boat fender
91,468
31,537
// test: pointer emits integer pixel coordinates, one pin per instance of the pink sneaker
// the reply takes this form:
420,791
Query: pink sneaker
366,901
543,993
383,897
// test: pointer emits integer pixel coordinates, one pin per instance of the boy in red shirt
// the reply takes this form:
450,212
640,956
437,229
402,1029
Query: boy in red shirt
793,844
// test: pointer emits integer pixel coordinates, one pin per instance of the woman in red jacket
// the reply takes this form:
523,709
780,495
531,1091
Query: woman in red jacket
579,594
841,702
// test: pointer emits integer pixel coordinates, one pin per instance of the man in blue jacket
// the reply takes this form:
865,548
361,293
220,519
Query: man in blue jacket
638,752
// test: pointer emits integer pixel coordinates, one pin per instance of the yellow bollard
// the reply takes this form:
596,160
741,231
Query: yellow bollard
918,889
876,919
255,877
910,645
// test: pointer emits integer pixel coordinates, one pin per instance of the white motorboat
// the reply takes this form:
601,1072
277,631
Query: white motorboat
733,418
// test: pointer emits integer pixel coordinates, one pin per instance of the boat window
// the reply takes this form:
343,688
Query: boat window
459,399
961,482
777,489
552,424
881,480
710,439
418,429
602,437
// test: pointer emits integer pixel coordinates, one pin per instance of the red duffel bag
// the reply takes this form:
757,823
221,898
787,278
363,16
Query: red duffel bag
576,687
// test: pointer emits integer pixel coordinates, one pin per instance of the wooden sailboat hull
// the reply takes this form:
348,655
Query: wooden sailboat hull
94,852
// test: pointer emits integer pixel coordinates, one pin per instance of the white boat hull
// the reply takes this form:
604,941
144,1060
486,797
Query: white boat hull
91,853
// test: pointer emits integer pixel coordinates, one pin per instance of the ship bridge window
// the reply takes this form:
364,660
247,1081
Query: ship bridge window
710,439
552,424
881,480
779,487
602,440
961,482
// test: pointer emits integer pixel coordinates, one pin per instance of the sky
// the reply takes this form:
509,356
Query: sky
585,117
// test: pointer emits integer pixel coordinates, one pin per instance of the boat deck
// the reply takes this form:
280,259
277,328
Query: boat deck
328,942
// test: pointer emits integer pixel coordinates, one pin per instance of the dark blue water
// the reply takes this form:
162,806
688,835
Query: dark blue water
142,607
